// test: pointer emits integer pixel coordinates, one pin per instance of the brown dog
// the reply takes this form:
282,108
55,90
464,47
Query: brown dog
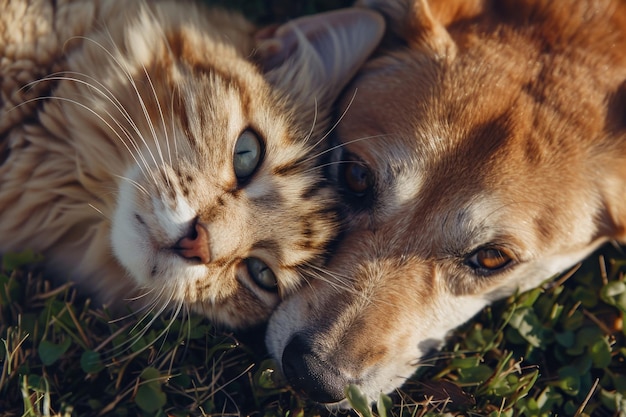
484,151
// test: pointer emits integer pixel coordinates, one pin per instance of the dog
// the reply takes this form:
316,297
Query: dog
480,152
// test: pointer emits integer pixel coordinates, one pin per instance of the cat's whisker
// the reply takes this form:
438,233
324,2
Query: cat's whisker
135,312
173,122
159,310
337,282
142,295
341,145
308,136
117,123
125,113
50,77
317,167
154,311
333,127
108,94
170,321
122,318
99,211
151,124
117,134
138,186
334,280
88,80
135,338
156,98
133,84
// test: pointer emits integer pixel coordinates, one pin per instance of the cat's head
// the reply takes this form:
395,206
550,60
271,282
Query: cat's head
220,203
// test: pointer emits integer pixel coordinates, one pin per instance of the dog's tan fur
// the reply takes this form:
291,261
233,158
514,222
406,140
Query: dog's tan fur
484,126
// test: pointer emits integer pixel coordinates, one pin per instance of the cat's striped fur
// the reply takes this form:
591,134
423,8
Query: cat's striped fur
119,126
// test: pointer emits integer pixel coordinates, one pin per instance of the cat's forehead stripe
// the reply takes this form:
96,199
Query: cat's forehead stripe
313,190
288,169
271,245
270,200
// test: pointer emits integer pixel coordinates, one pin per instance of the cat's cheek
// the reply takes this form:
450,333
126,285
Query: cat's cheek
132,251
131,239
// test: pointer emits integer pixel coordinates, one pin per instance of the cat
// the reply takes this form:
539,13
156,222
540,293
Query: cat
484,152
162,154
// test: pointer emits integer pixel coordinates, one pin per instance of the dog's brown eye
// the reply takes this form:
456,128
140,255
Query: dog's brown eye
490,259
357,178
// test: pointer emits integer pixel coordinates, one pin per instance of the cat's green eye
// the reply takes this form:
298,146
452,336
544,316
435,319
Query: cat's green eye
247,154
262,274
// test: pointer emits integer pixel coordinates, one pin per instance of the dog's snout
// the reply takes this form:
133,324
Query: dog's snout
311,375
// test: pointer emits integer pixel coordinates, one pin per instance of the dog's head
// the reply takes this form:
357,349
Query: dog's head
481,152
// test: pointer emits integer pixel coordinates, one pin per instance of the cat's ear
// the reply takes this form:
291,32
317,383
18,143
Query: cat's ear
317,55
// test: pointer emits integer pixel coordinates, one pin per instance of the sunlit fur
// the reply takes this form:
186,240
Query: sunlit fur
117,131
483,124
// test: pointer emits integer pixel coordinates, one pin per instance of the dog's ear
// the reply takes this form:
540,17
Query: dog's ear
317,55
423,25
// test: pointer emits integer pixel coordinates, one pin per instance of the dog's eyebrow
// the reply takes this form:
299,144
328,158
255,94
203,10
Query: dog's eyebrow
486,138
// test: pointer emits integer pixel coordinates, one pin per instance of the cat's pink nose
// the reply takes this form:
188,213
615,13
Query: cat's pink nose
195,246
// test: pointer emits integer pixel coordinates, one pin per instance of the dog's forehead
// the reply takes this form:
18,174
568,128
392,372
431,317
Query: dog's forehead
459,140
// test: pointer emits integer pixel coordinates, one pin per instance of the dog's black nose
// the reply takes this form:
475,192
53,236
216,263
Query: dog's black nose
310,375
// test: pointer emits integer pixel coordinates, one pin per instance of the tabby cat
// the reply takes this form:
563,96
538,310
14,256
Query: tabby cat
161,152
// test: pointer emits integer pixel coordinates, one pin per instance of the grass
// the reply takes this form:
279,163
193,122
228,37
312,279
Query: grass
559,349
